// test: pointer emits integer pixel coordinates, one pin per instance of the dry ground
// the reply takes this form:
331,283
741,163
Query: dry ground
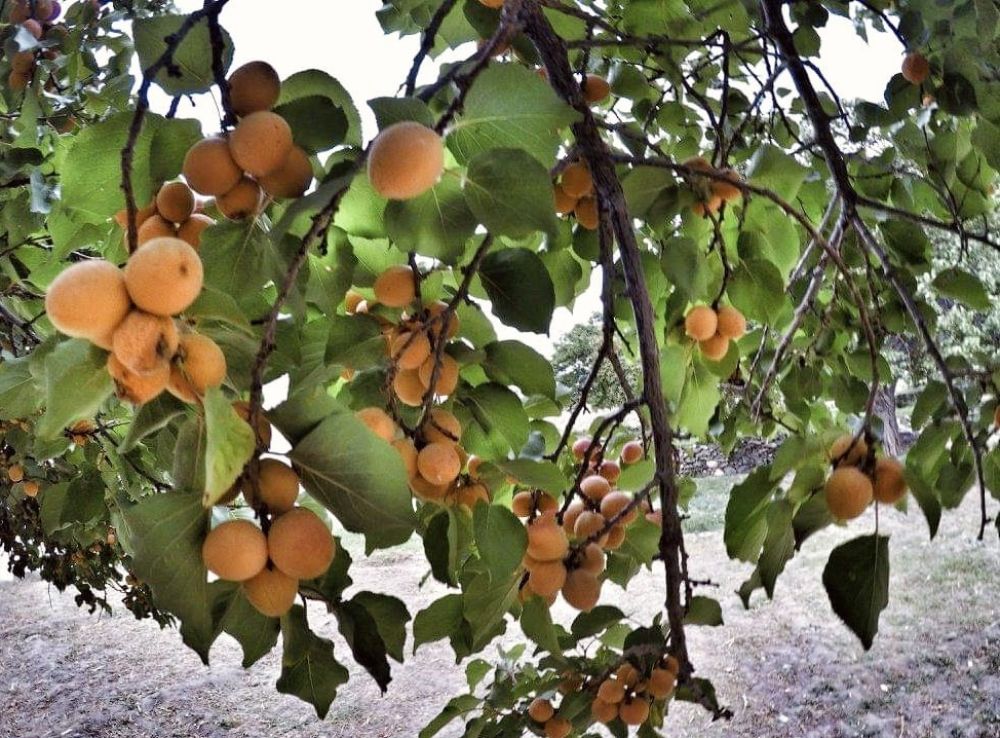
788,668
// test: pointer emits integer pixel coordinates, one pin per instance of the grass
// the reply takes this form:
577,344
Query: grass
707,509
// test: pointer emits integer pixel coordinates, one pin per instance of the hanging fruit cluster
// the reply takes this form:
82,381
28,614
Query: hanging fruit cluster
713,329
574,193
173,212
37,18
860,477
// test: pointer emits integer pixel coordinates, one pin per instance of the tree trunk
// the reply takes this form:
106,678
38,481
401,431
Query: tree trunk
885,409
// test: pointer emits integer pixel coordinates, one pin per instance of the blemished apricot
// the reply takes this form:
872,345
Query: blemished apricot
558,727
610,470
253,87
614,503
603,712
701,323
300,544
175,202
164,277
441,426
888,482
592,559
260,143
582,590
278,485
408,388
142,342
577,181
235,551
916,69
410,350
209,167
546,540
396,287
292,178
595,88
241,202
580,447
15,473
263,425
200,364
848,493
586,213
588,523
447,375
548,577
714,348
30,488
564,202
595,487
632,452
727,189
661,683
439,463
191,229
634,711
88,299
271,592
611,691
405,160
839,448
137,388
378,421
732,324
154,227
540,710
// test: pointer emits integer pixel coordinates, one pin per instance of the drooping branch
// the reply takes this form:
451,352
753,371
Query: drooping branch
427,43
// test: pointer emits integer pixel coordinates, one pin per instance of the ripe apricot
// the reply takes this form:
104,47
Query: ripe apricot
263,426
209,167
235,551
727,190
191,229
441,426
701,323
137,388
572,513
271,592
603,712
410,350
164,277
592,559
546,540
439,463
848,493
30,488
707,207
260,143
436,309
201,364
916,69
408,388
522,504
582,590
472,494
889,484
18,81
405,160
547,577
175,202
558,727
614,503
143,342
714,348
396,287
154,227
278,485
352,300
292,178
838,451
564,202
378,421
15,473
253,87
628,675
447,375
595,88
634,711
577,181
580,447
595,487
427,491
546,503
732,324
540,710
22,62
588,523
88,299
242,201
661,683
611,691
610,470
300,544
632,452
586,213
615,537
492,3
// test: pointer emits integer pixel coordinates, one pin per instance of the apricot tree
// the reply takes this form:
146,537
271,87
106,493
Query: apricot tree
757,238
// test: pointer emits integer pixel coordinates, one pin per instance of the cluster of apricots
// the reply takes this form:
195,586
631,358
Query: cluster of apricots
130,312
859,477
173,212
36,18
574,193
566,551
713,329
16,475
259,155
712,192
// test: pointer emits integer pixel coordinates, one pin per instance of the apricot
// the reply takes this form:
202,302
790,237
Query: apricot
546,540
396,287
610,470
164,277
632,452
441,426
540,710
580,447
547,577
661,683
582,590
522,504
472,466
839,453
15,473
154,227
614,503
889,484
33,27
586,213
20,11
18,81
260,143
271,592
408,388
278,485
546,503
564,202
405,160
436,309
727,190
410,350
378,421
577,181
352,300
143,342
595,487
137,388
595,88
300,544
916,69
472,494
611,691
242,201
292,178
628,675
427,491
191,229
201,365
209,167
235,550
731,323
707,207
592,559
615,537
848,493
588,523
175,202
714,348
634,711
701,323
671,664
253,87
573,511
263,426
492,3
603,712
447,375
408,453
88,299
22,62
558,727
30,488
439,463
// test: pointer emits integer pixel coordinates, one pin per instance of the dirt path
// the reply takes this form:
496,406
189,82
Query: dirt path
787,667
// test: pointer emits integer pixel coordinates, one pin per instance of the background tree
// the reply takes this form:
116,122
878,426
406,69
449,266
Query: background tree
575,354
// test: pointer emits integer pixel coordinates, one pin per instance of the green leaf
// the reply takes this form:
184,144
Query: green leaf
779,544
703,611
310,82
856,578
500,539
698,401
544,475
360,630
192,58
256,633
772,168
436,224
389,110
520,289
239,260
81,502
497,408
963,286
151,417
441,619
189,467
316,121
456,708
513,363
746,522
510,106
536,622
309,670
229,444
390,616
510,193
596,621
358,477
76,384
758,290
19,395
